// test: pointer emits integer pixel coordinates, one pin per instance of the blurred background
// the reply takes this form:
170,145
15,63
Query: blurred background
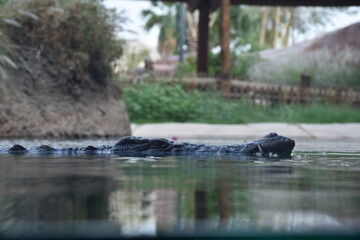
98,70
89,68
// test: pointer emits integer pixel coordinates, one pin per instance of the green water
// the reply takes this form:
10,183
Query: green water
317,190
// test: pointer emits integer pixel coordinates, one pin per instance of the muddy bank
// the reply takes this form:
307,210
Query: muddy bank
47,98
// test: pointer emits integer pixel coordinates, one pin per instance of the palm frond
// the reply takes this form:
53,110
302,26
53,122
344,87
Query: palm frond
152,22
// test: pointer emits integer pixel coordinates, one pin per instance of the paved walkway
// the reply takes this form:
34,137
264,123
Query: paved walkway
245,131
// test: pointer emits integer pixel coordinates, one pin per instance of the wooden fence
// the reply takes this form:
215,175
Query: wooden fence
270,94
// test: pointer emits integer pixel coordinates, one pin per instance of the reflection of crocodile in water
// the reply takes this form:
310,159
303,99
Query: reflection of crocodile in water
271,145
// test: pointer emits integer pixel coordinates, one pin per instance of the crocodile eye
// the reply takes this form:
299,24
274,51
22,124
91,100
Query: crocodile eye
270,135
158,143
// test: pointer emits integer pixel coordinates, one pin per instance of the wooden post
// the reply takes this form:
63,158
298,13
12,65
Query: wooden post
182,32
201,210
305,82
203,35
225,61
224,204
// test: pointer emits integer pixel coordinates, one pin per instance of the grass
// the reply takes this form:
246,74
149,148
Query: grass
164,102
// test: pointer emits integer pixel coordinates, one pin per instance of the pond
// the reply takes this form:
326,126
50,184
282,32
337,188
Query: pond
316,191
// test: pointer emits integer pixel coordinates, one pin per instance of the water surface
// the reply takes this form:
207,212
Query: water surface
317,190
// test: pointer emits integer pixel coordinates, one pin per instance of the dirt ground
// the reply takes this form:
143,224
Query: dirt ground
45,99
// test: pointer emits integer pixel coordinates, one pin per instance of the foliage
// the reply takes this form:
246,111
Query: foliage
155,102
80,33
324,66
245,29
214,63
242,64
134,54
166,21
186,68
252,28
239,67
276,25
189,66
163,102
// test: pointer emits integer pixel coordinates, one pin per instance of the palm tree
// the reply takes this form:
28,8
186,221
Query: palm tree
166,21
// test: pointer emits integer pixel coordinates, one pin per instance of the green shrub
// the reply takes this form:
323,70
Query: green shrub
239,66
188,67
164,102
154,102
81,33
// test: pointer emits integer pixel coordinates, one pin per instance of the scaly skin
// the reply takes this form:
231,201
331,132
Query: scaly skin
271,145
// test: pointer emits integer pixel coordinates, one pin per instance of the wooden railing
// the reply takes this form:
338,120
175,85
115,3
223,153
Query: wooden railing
273,94
267,94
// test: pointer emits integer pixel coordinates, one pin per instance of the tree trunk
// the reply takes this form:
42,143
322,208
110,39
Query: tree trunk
264,19
288,24
225,39
203,40
276,29
192,19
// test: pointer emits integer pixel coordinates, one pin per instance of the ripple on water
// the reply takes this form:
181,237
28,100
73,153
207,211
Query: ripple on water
317,189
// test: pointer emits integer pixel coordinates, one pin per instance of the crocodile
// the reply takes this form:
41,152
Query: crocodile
271,145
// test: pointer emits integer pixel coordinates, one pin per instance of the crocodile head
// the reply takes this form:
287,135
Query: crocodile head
274,145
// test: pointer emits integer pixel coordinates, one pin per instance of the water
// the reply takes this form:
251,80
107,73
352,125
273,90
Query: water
316,191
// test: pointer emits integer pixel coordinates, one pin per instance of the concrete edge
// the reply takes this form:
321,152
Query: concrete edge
348,131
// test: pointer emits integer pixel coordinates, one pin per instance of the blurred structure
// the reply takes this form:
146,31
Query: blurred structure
339,40
205,7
